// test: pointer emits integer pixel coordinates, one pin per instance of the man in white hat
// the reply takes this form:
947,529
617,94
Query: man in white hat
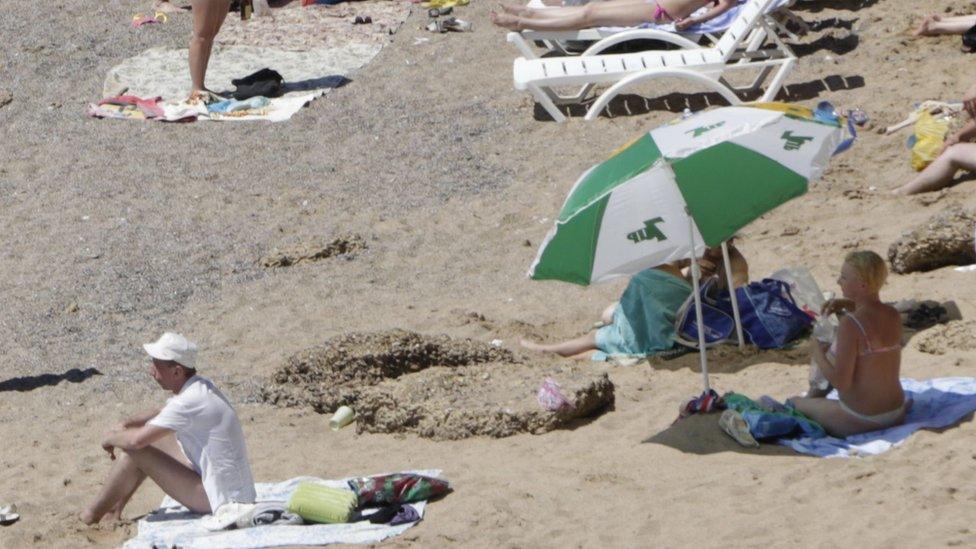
192,447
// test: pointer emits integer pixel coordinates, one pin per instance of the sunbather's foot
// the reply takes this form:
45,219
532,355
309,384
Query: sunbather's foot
533,346
514,8
505,20
925,27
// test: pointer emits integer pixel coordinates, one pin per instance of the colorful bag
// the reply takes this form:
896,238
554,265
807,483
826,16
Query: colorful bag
930,134
770,317
397,488
719,322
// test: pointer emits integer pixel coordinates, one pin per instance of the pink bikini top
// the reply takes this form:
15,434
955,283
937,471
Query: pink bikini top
867,343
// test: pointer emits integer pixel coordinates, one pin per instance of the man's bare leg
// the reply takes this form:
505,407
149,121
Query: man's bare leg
165,463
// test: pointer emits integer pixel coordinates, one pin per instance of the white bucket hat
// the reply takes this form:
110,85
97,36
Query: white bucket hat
175,347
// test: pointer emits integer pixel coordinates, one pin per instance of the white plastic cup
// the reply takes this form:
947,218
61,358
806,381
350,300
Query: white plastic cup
342,417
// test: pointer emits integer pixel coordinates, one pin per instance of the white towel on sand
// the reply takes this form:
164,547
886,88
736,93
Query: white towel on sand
172,525
938,403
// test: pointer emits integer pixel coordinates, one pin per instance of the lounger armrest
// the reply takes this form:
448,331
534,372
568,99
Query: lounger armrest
641,34
583,34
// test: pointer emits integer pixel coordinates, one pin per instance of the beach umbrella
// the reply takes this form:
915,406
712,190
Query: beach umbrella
671,193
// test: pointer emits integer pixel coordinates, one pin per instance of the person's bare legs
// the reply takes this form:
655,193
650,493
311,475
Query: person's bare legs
208,16
603,14
938,174
832,417
568,348
933,25
165,463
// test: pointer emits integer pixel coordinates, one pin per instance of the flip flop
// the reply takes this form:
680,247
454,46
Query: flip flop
8,515
736,427
455,25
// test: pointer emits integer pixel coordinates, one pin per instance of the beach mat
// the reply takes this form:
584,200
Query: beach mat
172,525
938,403
163,71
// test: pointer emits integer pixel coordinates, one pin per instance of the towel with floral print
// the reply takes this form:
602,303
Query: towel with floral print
397,488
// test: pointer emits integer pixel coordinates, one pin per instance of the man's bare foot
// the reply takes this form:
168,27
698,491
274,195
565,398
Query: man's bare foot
505,20
925,27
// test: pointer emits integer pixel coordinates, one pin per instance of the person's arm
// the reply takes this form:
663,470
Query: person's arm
969,101
140,419
840,372
837,305
738,266
133,439
965,133
720,7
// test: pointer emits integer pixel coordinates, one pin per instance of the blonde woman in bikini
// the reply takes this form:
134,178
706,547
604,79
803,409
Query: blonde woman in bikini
864,361
608,13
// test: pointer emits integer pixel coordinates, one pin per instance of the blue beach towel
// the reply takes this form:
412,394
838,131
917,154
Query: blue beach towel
938,403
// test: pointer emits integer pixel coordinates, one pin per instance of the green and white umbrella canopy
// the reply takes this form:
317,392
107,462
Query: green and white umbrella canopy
723,168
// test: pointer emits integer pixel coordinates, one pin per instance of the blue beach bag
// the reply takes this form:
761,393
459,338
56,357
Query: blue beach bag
770,316
719,323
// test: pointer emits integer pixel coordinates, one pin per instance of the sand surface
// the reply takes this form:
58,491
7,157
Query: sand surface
113,231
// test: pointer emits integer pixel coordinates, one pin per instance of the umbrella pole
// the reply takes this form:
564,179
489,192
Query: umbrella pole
735,300
699,317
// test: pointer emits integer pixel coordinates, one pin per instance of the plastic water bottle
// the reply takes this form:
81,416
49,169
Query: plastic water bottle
685,113
824,331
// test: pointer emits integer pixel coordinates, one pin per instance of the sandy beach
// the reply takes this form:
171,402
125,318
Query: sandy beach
113,231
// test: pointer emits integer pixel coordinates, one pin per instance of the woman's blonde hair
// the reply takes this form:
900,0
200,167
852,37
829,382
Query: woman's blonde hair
869,267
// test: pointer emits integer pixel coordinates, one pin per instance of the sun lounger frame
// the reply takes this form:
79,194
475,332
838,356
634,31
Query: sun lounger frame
706,67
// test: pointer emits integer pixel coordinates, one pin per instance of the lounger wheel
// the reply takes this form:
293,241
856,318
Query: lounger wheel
612,91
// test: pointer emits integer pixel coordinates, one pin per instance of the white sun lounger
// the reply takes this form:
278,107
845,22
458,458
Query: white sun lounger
777,14
737,50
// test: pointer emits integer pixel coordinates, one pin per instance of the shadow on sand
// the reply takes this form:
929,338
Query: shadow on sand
700,435
633,105
29,383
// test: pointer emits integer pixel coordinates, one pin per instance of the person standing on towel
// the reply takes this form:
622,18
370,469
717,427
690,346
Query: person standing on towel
192,447
208,16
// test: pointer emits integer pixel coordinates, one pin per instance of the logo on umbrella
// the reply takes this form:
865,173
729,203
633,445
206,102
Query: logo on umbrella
794,142
649,231
703,129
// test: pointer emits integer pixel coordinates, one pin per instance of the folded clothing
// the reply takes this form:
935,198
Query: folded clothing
233,105
265,82
766,424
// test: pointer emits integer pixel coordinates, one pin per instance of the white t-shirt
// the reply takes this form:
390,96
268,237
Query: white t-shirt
212,439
